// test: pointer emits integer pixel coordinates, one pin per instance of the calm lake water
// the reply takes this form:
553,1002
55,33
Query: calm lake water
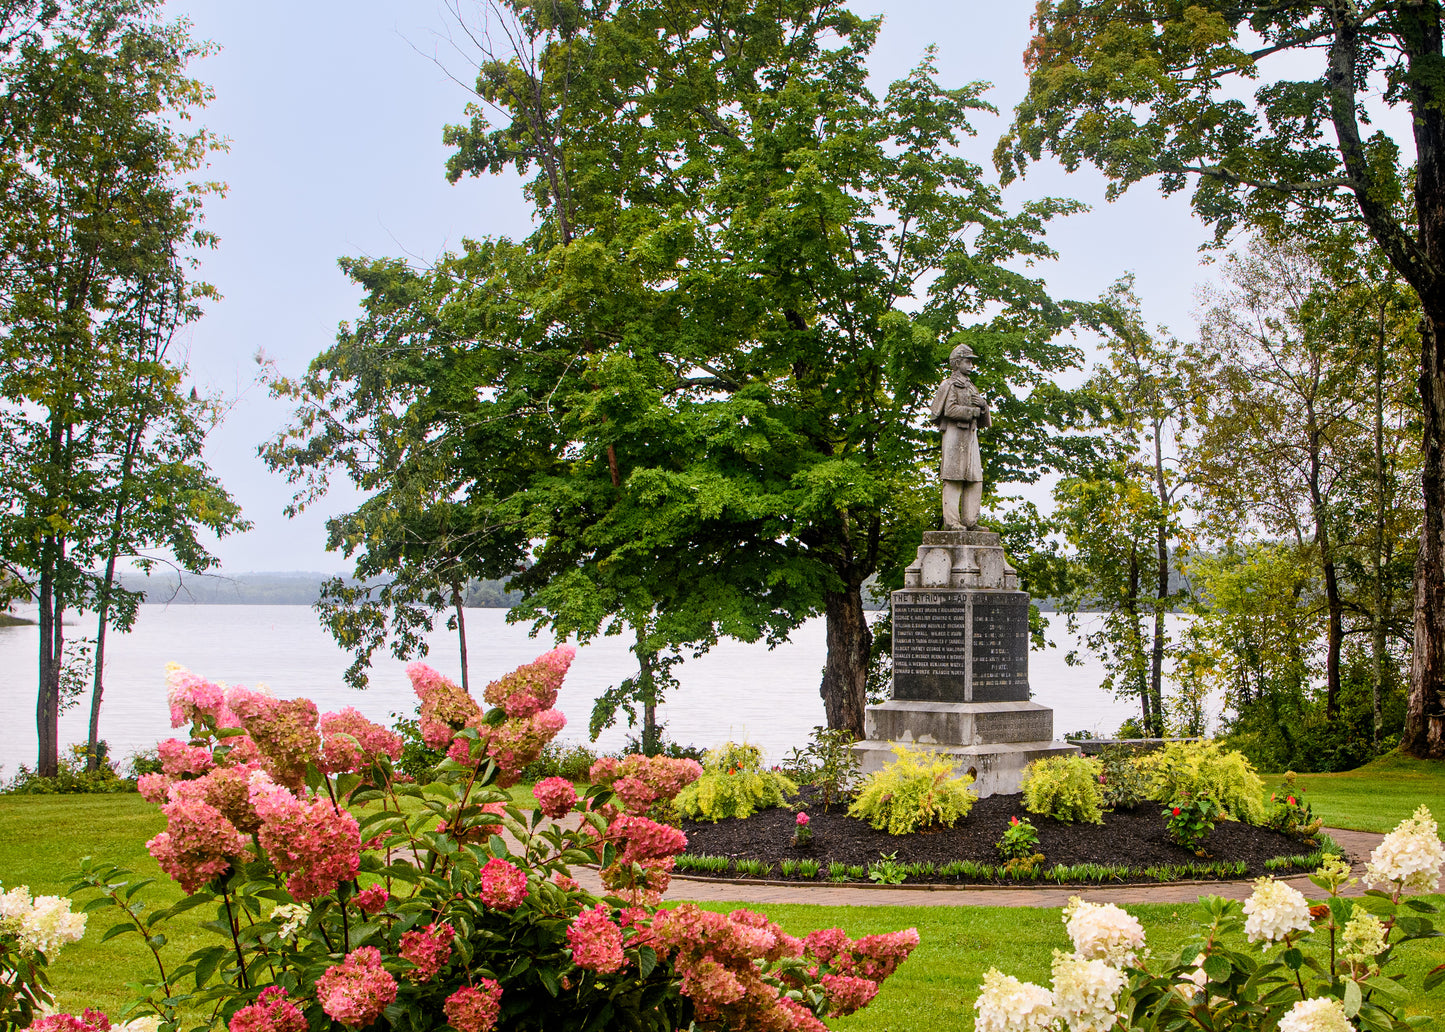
768,697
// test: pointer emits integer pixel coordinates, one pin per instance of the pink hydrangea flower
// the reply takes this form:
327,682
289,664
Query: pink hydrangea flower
198,844
152,787
228,789
502,885
555,797
356,991
91,1021
428,949
178,757
517,741
194,699
474,1008
596,941
284,731
272,1012
641,839
565,883
847,993
349,742
532,687
445,707
372,900
318,845
636,794
664,776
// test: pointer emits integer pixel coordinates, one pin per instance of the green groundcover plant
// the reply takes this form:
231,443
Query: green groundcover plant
1321,970
1185,769
344,897
1066,788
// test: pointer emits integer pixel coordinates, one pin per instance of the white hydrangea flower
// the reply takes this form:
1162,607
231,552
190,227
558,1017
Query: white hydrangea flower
292,918
1320,1014
1101,931
1086,992
1410,856
1363,938
1274,910
1007,1005
50,925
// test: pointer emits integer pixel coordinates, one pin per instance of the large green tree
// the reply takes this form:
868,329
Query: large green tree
1263,106
99,443
702,379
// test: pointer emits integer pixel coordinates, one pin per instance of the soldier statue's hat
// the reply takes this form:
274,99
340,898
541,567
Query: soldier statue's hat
962,351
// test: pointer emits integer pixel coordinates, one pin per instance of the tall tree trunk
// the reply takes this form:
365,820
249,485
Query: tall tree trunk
1424,732
1377,628
845,677
52,650
1148,715
117,529
1161,546
1334,607
647,692
461,630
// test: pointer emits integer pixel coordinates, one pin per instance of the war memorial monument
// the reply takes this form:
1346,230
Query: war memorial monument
961,628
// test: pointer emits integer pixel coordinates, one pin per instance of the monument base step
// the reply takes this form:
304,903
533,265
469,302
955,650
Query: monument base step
958,723
997,769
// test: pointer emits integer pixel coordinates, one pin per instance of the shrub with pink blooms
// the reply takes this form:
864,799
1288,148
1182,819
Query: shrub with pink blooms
346,896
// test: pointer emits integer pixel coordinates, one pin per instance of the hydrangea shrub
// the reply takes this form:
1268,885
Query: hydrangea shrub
919,789
1110,982
32,931
347,897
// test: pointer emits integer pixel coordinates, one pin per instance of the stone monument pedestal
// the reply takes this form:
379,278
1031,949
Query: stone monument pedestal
960,667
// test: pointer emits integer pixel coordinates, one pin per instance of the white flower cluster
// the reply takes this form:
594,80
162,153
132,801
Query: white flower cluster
1410,856
1101,931
1321,1014
1363,938
291,917
1007,1005
1274,910
1086,992
41,925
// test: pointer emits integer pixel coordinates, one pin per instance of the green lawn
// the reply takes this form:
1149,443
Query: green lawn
43,837
1377,796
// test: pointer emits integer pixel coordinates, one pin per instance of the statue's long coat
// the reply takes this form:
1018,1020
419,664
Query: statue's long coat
960,411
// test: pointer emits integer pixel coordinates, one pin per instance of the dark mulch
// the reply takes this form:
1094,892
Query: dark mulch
1134,838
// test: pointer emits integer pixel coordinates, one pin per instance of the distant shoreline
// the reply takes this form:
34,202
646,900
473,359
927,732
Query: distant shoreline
7,620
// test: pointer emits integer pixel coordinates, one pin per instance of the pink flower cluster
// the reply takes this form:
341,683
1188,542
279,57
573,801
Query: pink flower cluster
372,900
316,843
428,949
502,885
272,1012
555,797
445,707
874,957
356,991
194,700
285,733
349,742
91,1021
596,941
517,740
474,1008
532,688
178,757
198,844
639,781
651,846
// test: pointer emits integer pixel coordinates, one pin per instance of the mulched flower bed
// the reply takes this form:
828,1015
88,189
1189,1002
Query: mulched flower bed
1133,838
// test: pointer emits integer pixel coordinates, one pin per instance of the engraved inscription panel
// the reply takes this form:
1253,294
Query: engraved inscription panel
929,631
1000,646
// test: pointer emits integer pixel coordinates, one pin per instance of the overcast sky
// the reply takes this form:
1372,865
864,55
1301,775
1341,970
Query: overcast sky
334,113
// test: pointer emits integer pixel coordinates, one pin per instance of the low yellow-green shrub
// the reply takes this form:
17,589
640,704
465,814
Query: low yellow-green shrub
733,784
920,789
1065,788
1186,769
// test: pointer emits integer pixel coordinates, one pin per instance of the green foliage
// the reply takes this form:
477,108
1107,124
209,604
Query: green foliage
1065,788
828,763
560,760
1186,769
71,778
916,791
886,870
1125,786
1019,839
1189,819
733,784
1289,812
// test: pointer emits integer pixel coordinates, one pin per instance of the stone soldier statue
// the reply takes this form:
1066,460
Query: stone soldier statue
960,412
